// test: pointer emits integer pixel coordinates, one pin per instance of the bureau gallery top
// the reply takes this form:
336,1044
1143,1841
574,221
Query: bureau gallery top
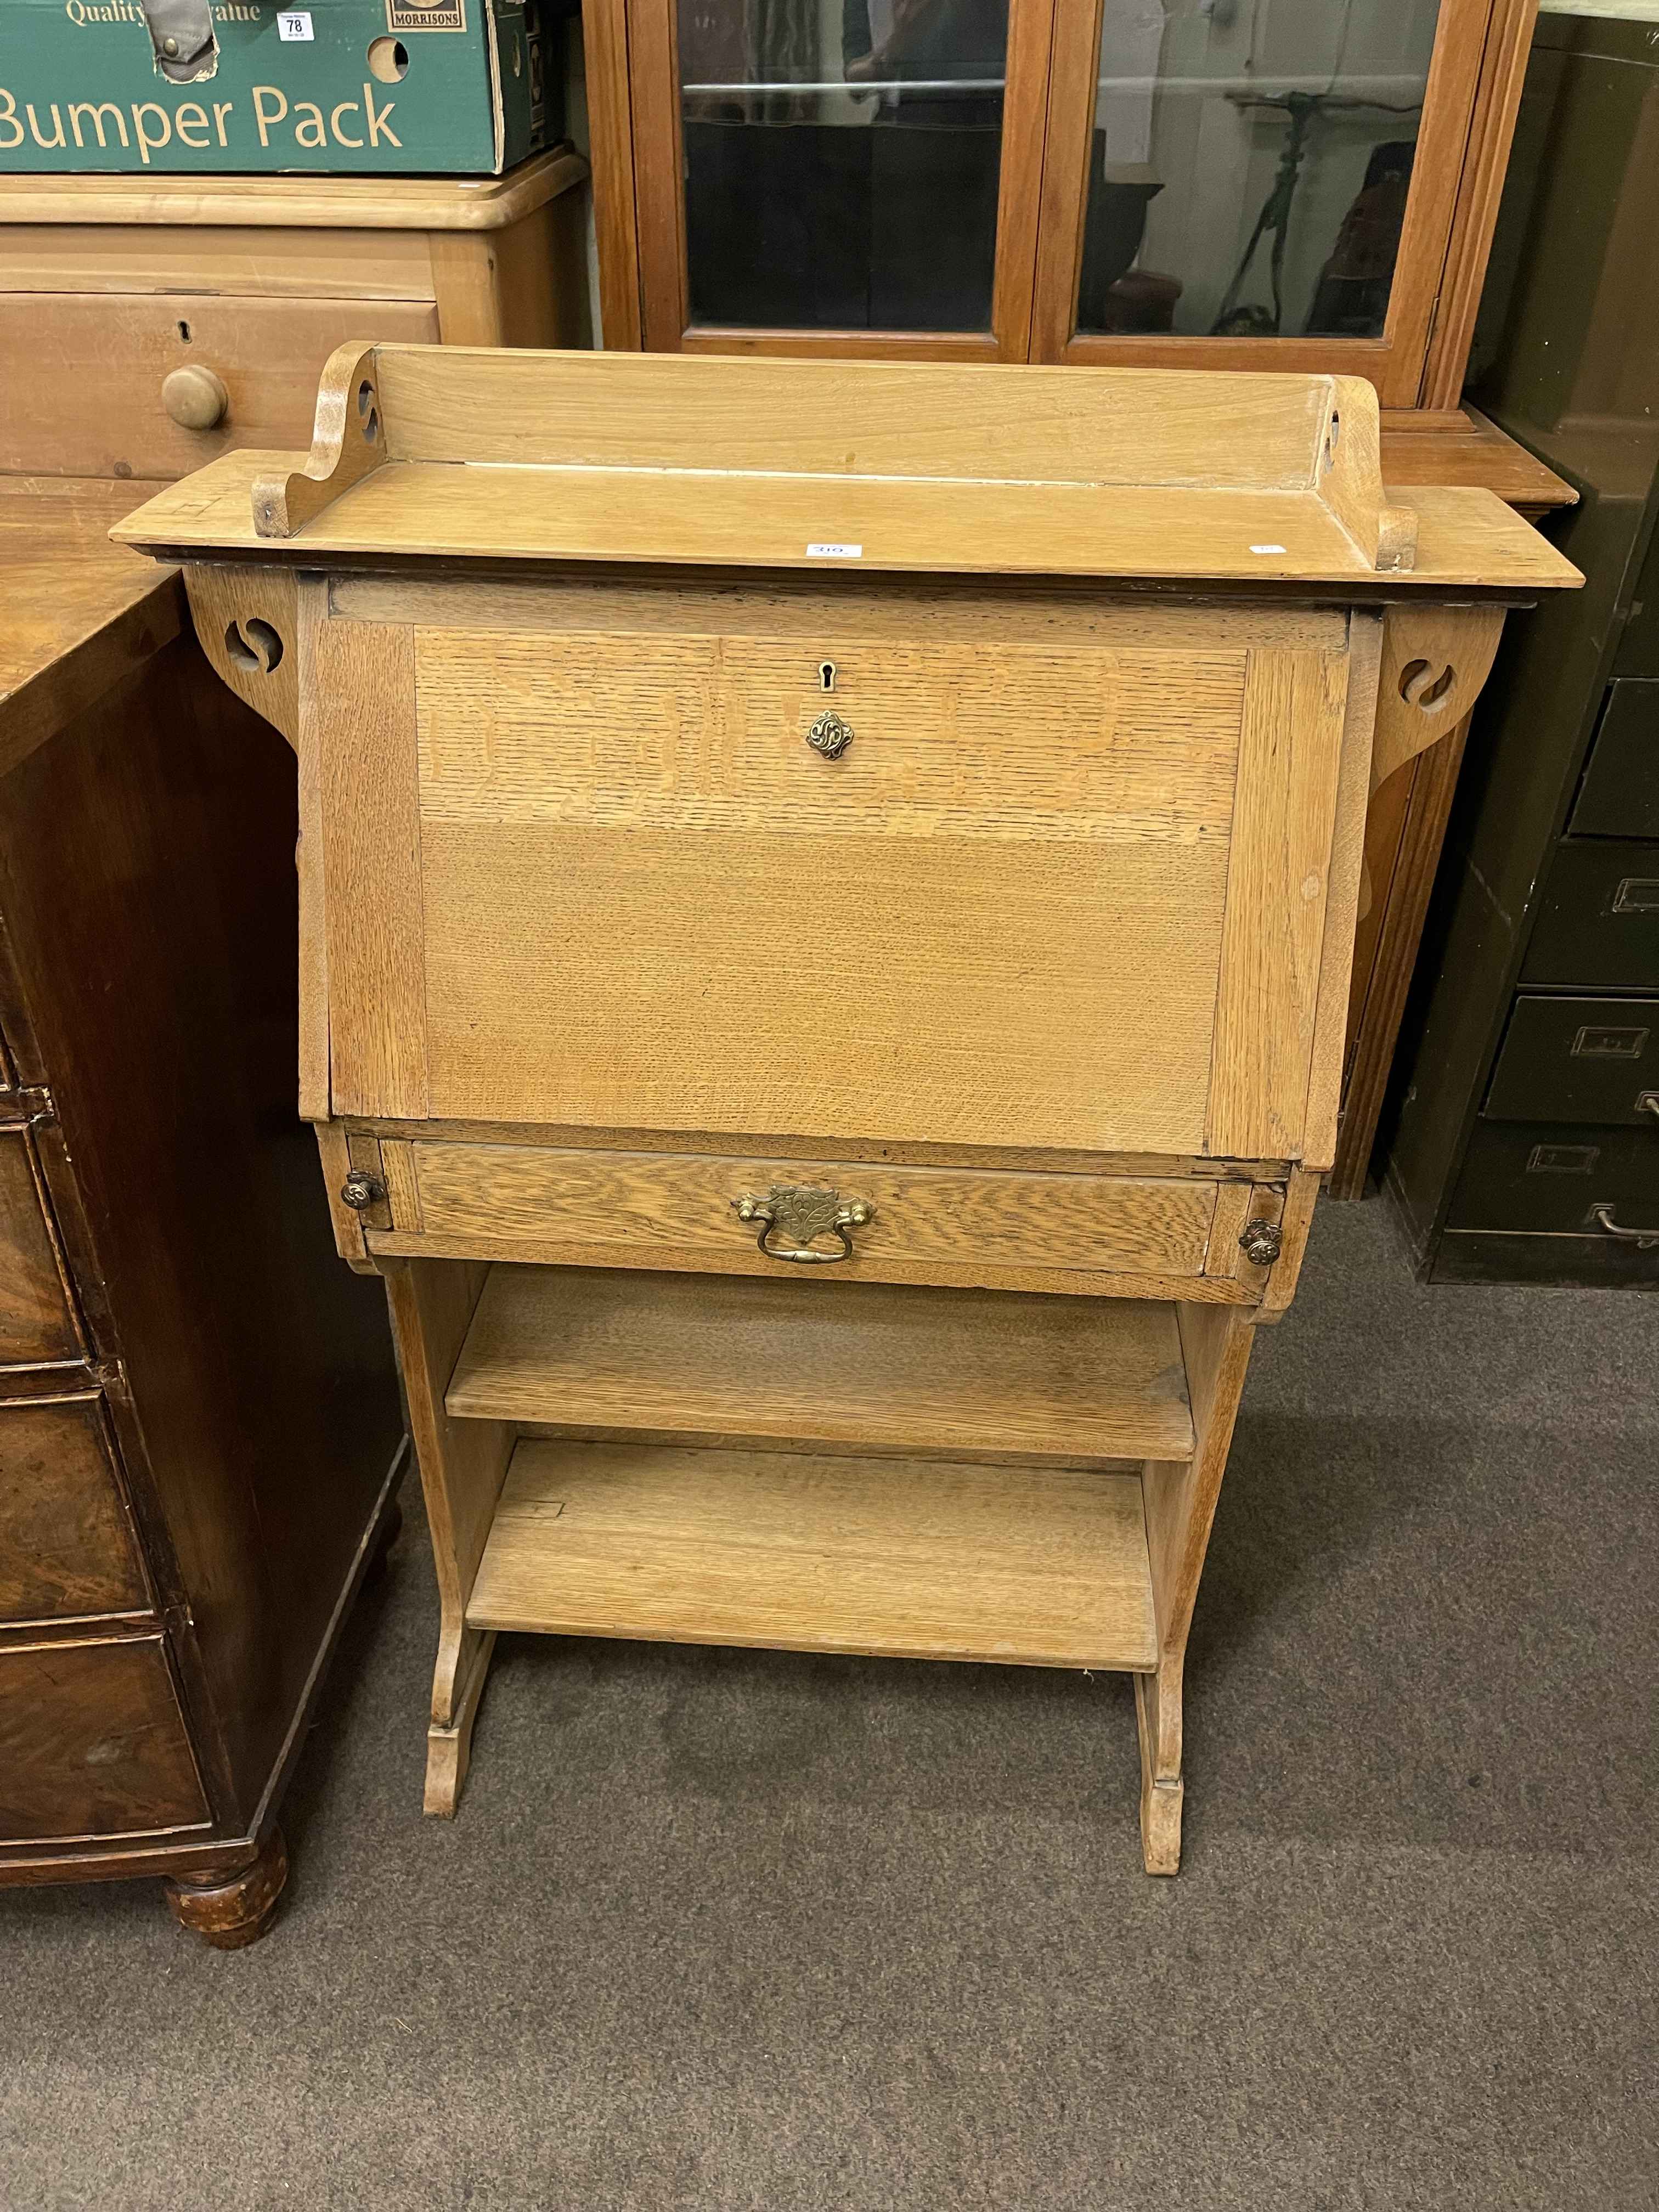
914,754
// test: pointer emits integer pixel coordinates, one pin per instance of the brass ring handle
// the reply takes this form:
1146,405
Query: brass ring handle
802,1211
1646,1239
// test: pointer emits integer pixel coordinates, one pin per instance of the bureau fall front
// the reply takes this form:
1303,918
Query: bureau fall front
827,894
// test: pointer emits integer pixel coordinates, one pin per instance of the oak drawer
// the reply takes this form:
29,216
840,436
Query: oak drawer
66,1550
947,1226
36,1324
80,374
93,1743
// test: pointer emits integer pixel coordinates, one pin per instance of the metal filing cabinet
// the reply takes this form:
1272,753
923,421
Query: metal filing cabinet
1524,1144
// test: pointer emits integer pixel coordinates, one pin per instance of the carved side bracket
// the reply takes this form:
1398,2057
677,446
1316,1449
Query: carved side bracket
247,620
1436,660
348,442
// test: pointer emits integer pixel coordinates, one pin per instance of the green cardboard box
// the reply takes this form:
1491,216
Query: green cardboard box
339,87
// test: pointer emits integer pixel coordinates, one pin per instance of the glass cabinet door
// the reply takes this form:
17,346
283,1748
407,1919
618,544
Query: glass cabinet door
1255,183
839,176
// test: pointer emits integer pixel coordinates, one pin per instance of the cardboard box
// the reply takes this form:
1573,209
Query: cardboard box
339,87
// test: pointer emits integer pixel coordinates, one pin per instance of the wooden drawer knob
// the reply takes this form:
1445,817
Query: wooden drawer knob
195,397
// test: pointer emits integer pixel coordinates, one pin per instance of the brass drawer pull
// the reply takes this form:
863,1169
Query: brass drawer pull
802,1212
1645,1240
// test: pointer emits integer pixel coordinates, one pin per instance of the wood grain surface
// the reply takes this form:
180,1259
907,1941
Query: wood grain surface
941,989
118,347
930,1559
885,1369
649,901
643,1201
1346,879
1290,762
709,734
912,611
278,202
93,1743
871,420
81,614
361,692
66,1548
37,1321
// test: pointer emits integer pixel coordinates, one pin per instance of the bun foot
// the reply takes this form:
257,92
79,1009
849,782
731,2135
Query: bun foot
231,1911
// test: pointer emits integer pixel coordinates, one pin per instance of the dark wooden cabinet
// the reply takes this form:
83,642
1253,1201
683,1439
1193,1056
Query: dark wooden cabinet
1526,1142
200,1429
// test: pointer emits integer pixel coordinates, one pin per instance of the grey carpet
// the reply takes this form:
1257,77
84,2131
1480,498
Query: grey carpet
735,1929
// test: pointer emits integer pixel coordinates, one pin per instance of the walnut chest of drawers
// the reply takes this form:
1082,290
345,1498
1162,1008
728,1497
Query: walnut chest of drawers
200,1433
827,900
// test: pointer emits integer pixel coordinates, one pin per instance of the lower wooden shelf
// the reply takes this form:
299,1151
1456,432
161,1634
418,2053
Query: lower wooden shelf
877,1367
933,1560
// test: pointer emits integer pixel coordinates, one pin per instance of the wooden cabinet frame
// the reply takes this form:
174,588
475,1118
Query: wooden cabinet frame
658,168
1469,115
1468,112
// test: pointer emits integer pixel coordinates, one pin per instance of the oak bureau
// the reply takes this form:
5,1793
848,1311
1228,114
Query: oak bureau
827,893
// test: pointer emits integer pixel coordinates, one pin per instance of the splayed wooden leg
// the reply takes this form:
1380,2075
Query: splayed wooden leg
1157,1712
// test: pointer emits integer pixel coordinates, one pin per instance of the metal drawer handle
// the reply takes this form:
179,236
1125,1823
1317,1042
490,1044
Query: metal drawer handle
1645,1240
1647,1102
801,1212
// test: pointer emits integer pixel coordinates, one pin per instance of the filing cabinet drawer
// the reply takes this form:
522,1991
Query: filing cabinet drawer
36,1324
66,1550
1555,1176
1598,918
1578,1060
93,1743
943,1226
119,350
1619,796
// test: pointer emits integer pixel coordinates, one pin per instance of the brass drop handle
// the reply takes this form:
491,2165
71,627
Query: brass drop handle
802,1211
196,398
1645,1240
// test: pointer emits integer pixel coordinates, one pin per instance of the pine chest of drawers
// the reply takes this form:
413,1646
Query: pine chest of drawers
827,898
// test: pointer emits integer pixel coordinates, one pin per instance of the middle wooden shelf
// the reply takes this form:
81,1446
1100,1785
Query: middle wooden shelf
878,1367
